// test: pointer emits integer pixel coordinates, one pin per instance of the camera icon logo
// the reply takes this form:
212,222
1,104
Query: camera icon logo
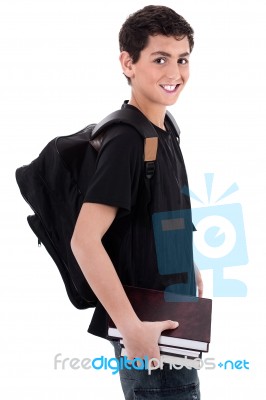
220,240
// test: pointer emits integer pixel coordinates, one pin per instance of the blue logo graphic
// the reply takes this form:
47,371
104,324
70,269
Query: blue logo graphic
220,239
219,242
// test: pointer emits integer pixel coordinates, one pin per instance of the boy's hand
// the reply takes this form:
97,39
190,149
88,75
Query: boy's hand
143,340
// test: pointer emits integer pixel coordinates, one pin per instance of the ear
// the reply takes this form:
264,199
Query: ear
126,64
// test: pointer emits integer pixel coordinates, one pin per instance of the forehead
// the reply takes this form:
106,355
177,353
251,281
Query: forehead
167,44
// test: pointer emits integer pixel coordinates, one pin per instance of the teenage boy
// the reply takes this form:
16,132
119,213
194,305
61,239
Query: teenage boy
114,240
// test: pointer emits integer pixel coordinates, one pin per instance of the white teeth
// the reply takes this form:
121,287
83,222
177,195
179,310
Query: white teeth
170,88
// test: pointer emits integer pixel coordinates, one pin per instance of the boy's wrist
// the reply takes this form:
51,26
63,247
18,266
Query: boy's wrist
129,326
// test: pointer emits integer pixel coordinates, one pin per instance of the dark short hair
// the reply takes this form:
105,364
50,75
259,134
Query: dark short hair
152,21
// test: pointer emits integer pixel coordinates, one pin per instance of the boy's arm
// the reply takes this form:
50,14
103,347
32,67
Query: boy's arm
199,280
140,338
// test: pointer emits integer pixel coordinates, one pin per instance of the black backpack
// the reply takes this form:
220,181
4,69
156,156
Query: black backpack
54,185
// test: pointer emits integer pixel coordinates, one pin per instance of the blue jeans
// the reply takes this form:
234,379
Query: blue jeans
161,384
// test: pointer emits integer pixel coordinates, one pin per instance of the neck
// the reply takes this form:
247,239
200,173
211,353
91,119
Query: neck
154,114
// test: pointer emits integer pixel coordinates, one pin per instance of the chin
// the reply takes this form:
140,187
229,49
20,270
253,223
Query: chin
171,102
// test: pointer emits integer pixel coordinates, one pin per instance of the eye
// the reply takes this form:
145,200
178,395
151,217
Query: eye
160,60
182,61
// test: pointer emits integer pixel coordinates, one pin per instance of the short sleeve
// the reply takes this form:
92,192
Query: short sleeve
119,168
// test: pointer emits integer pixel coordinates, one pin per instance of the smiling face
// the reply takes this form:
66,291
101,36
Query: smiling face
161,72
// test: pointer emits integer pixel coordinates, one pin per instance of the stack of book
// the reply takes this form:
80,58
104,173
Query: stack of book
181,346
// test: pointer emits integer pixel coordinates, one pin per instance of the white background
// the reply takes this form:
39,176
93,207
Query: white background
60,72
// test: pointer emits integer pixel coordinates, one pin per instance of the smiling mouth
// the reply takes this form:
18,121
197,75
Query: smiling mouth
170,88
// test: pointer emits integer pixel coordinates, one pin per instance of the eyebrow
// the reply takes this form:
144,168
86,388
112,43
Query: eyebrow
163,53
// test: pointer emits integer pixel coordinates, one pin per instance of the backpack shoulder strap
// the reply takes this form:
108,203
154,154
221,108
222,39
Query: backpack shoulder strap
136,119
172,122
127,116
144,127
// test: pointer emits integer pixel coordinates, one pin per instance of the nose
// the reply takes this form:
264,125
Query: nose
173,71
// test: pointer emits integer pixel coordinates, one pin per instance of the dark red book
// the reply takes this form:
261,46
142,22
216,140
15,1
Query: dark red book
192,313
